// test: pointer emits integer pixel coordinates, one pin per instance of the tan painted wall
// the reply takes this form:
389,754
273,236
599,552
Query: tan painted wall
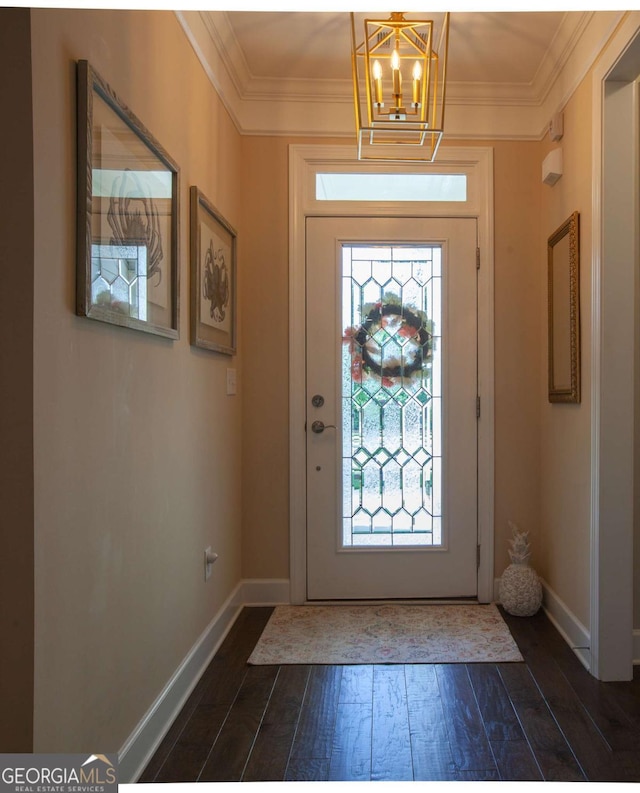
519,280
565,428
137,453
265,371
16,386
518,284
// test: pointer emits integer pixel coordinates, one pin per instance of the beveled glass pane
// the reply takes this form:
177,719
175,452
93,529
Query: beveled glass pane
392,431
381,522
371,487
402,522
402,271
392,487
435,418
412,426
371,292
412,486
361,272
382,270
347,535
378,540
427,483
437,486
362,252
437,530
414,538
391,386
361,522
349,492
437,261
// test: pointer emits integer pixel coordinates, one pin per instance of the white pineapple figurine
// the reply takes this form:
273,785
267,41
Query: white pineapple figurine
520,588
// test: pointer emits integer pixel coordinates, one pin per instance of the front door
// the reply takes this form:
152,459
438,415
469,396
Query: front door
391,408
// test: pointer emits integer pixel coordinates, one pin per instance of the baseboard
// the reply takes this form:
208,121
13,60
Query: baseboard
564,620
265,591
567,624
147,736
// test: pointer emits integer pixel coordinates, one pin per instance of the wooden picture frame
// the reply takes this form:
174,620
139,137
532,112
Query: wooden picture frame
127,226
213,277
563,254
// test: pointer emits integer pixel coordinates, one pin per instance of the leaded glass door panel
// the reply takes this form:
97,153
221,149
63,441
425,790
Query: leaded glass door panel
391,408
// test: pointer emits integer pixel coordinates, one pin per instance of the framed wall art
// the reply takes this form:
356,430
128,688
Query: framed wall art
213,277
127,234
563,251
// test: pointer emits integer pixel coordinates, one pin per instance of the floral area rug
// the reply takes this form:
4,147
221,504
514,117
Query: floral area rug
385,634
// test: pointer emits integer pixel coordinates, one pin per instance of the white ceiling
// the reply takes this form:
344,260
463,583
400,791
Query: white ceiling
290,72
484,47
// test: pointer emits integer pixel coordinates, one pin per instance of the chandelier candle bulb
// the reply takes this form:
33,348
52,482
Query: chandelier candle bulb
395,65
377,79
417,76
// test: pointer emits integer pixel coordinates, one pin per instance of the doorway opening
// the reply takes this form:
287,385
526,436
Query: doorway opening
306,162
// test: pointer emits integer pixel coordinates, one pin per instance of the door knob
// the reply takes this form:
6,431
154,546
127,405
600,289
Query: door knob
319,427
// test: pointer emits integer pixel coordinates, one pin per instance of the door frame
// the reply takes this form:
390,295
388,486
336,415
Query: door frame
304,162
615,235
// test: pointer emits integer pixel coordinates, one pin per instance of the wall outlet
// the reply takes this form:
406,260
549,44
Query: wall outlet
209,559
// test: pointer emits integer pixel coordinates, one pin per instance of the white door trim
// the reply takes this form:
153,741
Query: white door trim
304,162
615,260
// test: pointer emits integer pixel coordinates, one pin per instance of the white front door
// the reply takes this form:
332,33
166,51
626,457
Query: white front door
391,392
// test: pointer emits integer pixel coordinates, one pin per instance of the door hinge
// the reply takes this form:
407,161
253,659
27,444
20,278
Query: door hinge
477,407
477,556
477,258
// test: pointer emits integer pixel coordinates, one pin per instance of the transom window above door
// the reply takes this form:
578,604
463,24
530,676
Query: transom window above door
391,187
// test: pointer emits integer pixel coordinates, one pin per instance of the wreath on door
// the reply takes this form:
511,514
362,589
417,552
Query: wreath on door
394,342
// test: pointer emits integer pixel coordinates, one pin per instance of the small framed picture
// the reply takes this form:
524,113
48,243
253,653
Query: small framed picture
213,277
127,233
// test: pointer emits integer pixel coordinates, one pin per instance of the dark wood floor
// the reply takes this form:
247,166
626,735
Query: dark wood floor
545,719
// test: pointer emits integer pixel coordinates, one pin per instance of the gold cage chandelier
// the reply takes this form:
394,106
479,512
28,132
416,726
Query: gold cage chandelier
399,85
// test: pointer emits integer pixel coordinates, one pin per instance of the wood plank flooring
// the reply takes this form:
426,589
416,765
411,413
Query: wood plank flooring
544,719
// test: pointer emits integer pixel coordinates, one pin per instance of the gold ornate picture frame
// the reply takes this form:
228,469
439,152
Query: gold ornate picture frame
563,255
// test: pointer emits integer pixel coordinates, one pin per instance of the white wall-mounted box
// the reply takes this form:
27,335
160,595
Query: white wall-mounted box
552,167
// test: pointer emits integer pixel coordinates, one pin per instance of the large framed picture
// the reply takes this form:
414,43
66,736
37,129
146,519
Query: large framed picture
127,233
213,277
563,254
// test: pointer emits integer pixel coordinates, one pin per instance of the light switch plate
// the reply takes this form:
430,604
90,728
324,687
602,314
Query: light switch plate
231,381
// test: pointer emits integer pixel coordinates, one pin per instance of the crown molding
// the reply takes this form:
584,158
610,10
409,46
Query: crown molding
217,25
572,66
320,108
559,51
